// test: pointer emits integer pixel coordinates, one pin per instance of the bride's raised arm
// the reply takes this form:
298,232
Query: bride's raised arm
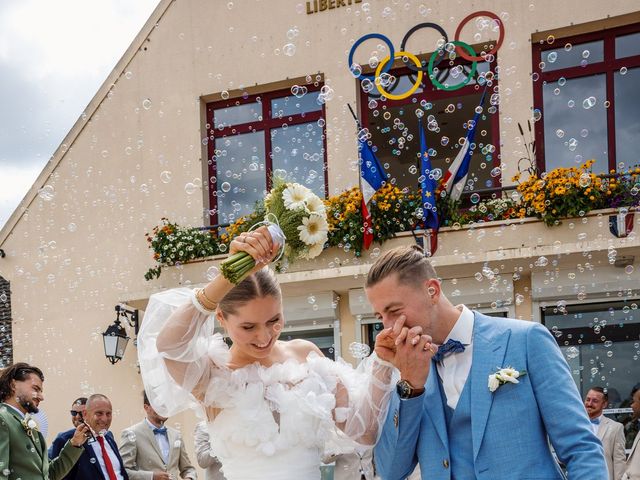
177,348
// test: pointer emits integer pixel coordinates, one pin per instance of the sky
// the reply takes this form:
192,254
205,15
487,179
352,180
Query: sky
53,58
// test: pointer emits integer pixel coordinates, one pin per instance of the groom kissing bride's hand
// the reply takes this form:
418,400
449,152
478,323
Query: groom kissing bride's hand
408,349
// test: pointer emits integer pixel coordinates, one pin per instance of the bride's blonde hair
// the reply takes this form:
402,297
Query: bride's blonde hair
261,284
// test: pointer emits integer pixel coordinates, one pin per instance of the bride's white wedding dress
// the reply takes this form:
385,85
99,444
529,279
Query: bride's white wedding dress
265,423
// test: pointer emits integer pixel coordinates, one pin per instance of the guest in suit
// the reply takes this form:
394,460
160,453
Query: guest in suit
631,421
101,459
632,471
481,407
610,433
152,451
23,451
77,417
210,463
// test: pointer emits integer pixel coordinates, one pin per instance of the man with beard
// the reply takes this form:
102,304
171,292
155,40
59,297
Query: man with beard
23,452
101,459
152,451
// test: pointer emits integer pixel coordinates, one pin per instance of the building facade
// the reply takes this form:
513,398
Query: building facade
212,98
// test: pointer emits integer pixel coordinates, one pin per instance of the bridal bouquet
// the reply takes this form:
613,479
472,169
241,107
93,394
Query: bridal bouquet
296,219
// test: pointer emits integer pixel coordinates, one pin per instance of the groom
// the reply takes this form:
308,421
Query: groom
451,414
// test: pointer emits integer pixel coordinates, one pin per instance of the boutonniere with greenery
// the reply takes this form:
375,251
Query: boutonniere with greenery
29,424
503,376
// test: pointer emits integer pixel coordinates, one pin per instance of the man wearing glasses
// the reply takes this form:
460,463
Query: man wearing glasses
77,417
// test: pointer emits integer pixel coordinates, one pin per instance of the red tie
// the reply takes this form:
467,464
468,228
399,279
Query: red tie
107,460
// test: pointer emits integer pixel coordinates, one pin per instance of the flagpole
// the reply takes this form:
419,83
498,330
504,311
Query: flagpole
359,127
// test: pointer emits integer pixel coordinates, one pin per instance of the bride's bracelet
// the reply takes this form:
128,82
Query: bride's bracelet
204,301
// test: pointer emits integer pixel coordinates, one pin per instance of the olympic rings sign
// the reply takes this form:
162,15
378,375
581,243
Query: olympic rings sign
462,49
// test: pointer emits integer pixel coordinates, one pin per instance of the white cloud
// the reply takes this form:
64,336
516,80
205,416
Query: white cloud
15,182
53,58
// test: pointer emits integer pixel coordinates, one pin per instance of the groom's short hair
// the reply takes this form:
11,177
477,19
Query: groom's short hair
409,263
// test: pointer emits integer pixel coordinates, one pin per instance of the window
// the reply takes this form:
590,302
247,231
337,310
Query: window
323,338
253,137
393,124
585,89
6,342
600,341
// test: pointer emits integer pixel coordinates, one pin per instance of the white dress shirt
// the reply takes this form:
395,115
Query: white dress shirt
454,369
112,456
163,440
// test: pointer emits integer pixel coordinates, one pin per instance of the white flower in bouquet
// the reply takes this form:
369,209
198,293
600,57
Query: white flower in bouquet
295,195
314,229
315,205
313,251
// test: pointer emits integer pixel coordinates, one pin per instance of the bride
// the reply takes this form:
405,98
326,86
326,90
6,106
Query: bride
273,407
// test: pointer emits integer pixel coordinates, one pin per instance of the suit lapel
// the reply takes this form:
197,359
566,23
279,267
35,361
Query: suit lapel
434,405
96,461
633,447
489,349
602,428
171,438
114,446
35,435
151,438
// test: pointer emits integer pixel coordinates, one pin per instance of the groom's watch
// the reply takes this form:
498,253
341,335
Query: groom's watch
406,391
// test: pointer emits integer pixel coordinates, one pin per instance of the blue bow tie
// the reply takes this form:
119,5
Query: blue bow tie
161,431
452,346
595,421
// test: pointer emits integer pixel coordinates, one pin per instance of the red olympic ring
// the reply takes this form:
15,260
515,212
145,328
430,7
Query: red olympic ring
482,13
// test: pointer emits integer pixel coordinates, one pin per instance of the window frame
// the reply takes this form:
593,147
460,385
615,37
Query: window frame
608,66
265,126
431,94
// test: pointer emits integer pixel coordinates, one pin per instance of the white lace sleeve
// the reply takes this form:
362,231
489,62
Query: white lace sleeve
178,350
362,400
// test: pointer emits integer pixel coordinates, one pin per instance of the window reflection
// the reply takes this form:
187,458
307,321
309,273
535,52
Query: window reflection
442,135
240,175
575,123
627,103
628,45
573,55
299,151
238,114
292,105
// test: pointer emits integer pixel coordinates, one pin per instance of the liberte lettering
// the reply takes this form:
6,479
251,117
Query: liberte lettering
316,6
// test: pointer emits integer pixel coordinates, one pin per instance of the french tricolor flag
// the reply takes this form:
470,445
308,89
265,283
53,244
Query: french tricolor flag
373,176
455,178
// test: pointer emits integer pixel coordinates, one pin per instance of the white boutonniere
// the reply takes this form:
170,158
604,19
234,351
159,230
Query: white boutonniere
29,424
504,375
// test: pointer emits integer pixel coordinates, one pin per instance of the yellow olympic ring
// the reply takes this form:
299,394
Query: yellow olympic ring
409,92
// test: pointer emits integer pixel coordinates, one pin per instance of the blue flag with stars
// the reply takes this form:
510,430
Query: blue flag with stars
427,185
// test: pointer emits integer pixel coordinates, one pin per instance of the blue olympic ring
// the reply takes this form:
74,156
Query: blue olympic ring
364,38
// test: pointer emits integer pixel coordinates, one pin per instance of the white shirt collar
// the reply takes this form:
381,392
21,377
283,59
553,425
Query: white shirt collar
22,415
463,328
151,425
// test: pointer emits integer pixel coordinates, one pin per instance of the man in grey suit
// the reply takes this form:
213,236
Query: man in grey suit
212,466
610,432
152,451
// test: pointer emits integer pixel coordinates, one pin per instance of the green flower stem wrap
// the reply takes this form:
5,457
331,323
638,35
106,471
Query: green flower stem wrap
237,266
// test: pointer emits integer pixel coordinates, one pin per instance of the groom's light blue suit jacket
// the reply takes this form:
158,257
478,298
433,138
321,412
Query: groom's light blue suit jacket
509,427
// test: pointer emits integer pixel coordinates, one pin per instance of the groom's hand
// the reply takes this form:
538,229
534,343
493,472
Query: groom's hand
408,349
